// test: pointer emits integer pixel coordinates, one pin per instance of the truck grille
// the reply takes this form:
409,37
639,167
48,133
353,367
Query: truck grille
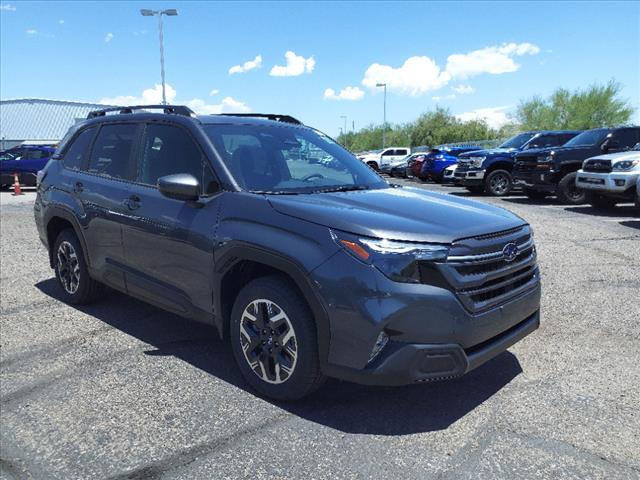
481,275
463,166
598,166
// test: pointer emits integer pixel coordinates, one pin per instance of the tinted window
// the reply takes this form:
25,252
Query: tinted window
388,153
588,138
77,152
517,141
402,152
111,153
35,154
167,150
548,140
626,138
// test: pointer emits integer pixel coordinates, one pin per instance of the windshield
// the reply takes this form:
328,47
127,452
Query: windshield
288,159
588,138
518,141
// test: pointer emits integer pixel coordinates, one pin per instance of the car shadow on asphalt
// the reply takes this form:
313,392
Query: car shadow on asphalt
631,224
619,211
344,406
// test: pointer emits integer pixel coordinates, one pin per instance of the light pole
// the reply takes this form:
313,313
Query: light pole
171,12
344,117
384,111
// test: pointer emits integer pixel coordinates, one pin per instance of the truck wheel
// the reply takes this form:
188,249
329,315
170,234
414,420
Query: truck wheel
71,270
568,192
373,165
599,201
274,341
534,194
475,189
498,183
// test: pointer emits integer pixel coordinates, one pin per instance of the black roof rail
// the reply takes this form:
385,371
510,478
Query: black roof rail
270,116
174,109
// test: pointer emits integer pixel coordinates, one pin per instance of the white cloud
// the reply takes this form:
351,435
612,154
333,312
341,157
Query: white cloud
246,66
296,65
463,89
495,117
495,60
228,105
347,93
416,76
31,31
214,92
7,7
153,96
108,37
61,22
420,74
451,96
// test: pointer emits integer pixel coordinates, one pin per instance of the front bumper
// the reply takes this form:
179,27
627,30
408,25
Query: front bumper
431,333
469,177
614,182
540,178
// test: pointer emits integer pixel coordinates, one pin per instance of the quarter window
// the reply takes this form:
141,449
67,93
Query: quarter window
111,153
626,138
77,152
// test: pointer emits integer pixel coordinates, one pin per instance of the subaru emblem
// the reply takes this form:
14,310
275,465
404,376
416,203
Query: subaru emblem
510,252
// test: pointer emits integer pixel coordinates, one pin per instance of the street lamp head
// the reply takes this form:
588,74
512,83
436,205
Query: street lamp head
381,84
145,12
172,12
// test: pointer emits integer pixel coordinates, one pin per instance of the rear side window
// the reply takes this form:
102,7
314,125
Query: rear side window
402,152
627,137
168,149
111,153
78,150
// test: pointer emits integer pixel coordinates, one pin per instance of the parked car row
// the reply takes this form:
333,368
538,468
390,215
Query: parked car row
26,161
594,166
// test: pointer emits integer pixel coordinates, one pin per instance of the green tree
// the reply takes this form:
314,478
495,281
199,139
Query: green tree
596,106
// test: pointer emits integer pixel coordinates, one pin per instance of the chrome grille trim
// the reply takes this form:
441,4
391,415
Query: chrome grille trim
486,257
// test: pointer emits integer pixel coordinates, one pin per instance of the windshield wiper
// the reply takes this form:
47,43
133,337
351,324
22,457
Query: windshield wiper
270,192
343,188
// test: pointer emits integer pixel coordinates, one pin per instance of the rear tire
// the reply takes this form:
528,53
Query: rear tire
599,202
274,340
535,194
373,165
498,183
568,192
77,286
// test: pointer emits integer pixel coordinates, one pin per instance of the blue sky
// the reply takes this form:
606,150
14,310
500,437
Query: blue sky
476,58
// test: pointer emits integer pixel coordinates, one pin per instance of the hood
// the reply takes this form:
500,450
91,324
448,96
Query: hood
408,214
561,151
619,156
488,153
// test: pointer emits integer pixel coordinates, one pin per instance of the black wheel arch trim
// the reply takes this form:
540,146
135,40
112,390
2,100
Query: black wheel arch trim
59,211
241,251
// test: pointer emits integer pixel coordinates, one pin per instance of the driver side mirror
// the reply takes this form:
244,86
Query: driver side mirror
610,145
180,186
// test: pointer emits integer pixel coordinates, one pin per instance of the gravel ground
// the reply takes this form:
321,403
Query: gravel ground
121,389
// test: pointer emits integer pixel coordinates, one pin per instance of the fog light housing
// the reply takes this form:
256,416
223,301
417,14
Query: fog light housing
381,342
619,183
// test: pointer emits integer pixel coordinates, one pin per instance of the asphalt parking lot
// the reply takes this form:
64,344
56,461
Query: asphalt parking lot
121,389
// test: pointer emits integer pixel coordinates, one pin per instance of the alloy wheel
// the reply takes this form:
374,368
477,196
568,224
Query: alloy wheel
68,267
268,341
499,184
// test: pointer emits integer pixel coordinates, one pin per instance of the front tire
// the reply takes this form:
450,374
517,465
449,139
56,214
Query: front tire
274,340
599,202
374,166
498,183
568,192
77,286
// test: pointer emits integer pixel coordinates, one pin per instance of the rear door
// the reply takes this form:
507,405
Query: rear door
168,242
102,187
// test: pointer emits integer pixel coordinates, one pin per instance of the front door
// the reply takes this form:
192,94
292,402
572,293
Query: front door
168,242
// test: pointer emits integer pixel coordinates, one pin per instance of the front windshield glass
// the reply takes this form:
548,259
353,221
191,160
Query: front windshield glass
288,159
518,141
588,138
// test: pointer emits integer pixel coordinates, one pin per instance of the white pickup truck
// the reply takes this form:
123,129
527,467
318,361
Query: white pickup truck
611,179
381,158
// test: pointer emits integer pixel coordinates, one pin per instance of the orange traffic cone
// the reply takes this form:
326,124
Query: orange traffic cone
16,185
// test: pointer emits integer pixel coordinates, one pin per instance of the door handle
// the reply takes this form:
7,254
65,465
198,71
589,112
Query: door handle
133,202
78,187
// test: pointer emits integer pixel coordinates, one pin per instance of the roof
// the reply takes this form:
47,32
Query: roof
41,119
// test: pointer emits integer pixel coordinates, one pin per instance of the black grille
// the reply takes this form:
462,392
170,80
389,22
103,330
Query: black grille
463,167
482,277
599,166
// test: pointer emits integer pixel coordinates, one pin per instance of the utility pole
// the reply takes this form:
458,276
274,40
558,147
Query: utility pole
384,112
172,12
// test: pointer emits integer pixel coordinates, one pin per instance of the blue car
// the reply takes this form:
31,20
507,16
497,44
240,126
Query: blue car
26,161
490,171
440,158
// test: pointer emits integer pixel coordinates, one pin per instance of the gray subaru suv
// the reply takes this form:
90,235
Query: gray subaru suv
303,257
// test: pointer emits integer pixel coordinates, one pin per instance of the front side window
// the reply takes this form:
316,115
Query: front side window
77,152
288,159
626,138
550,140
111,153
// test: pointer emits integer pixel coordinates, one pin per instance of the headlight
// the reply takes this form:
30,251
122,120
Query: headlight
476,161
544,158
397,260
626,164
